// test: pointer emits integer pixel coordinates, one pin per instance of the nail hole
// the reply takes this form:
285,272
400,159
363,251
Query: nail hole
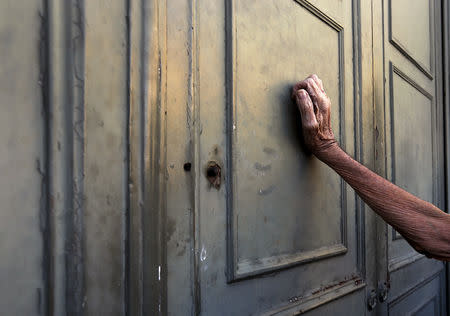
187,166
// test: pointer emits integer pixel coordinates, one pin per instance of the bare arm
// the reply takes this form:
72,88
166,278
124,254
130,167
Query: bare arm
422,224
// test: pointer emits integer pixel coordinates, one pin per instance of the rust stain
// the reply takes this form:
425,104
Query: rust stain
325,288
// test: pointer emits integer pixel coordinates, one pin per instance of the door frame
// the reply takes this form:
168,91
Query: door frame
446,108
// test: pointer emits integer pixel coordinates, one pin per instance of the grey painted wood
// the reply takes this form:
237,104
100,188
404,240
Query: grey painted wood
23,272
64,95
231,105
410,116
105,156
113,110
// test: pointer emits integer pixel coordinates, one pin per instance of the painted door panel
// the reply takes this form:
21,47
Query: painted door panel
271,179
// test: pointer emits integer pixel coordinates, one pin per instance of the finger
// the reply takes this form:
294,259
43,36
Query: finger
306,109
310,86
317,81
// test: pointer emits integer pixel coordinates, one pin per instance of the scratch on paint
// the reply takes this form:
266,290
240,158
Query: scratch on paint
203,254
266,191
159,273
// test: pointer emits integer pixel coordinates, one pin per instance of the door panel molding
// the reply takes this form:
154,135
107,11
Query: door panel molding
397,43
146,254
396,263
400,262
300,305
66,133
436,296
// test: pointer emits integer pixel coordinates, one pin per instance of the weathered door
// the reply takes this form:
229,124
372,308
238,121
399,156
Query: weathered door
255,225
409,108
152,162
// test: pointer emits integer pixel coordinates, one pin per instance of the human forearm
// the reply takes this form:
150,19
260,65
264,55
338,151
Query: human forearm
422,224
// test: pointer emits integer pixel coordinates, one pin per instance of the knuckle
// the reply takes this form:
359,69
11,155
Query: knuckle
302,93
311,126
309,82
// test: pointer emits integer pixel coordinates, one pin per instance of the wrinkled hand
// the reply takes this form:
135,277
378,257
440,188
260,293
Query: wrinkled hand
315,110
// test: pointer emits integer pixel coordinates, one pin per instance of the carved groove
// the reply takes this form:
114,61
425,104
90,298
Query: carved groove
401,262
415,288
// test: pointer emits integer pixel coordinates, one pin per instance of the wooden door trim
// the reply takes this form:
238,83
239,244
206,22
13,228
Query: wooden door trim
446,107
146,273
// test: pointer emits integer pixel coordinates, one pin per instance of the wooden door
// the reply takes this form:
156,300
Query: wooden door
254,224
153,165
410,144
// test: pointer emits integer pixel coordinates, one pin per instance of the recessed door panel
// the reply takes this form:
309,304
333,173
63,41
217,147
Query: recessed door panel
413,143
274,183
412,138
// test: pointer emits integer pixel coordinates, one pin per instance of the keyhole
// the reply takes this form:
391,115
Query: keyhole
213,174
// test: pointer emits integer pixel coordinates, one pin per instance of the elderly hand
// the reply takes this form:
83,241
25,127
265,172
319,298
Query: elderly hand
314,106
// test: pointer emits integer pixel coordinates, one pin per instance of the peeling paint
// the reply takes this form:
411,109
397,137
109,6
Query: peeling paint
203,254
327,287
261,167
159,273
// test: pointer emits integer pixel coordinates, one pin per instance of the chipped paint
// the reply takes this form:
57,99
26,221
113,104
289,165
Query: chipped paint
203,254
357,280
261,167
266,191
